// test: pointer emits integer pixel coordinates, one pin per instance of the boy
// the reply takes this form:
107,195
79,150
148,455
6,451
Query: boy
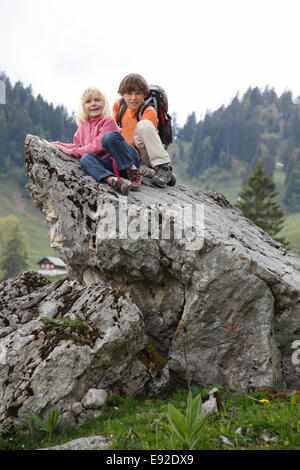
143,135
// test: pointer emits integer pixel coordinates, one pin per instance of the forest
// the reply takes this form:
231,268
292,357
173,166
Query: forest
24,114
256,127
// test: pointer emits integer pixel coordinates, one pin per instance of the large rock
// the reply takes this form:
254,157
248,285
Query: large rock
217,303
60,342
227,311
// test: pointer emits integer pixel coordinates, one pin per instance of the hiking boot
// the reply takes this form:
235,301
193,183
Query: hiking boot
162,175
147,171
172,181
135,179
123,187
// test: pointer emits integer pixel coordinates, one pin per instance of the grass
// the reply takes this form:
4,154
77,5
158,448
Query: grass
14,201
291,231
263,419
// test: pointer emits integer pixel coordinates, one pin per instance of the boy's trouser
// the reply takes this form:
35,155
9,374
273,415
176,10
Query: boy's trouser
149,145
124,155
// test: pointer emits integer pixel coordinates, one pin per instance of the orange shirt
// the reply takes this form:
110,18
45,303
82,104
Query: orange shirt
129,120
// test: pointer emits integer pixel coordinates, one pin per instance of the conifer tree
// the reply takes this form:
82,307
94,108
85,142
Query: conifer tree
13,253
292,194
188,130
257,202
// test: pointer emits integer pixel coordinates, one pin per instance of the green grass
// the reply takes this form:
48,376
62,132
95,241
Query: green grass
14,202
131,423
291,232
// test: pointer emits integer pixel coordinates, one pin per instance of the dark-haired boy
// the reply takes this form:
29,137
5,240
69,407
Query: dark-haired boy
143,134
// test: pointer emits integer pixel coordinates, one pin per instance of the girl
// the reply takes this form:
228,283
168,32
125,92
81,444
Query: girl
95,125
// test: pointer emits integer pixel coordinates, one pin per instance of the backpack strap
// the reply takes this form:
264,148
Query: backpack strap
150,101
121,112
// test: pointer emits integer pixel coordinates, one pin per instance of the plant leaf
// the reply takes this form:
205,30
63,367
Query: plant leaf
177,421
197,426
196,408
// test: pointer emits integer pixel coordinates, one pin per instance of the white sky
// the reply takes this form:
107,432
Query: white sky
203,52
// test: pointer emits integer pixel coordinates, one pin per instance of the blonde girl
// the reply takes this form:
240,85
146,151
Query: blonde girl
91,144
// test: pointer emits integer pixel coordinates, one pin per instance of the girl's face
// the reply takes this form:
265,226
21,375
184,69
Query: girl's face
93,105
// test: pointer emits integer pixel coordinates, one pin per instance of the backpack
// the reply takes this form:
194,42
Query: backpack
159,100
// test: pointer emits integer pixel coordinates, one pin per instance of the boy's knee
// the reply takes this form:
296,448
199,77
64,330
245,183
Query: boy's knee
145,124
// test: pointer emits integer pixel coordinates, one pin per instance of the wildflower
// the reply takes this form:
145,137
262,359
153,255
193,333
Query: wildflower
250,425
264,400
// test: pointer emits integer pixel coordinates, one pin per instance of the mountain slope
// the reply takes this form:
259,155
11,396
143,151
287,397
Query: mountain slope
14,201
216,179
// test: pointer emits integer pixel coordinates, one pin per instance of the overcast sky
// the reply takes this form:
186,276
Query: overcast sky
203,52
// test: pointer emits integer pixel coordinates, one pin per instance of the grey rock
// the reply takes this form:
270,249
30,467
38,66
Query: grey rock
212,404
225,312
266,437
96,335
239,431
83,443
222,308
76,408
226,441
94,398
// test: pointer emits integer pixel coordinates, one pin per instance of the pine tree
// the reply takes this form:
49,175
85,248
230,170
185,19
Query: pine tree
24,114
292,182
292,195
175,126
13,247
257,202
188,130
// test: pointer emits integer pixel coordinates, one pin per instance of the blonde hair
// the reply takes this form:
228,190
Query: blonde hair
81,115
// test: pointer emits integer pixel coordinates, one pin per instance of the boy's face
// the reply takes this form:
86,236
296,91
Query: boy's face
134,99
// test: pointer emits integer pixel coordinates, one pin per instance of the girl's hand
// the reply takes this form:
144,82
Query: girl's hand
63,149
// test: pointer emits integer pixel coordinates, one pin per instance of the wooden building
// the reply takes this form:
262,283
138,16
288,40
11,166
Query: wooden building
51,266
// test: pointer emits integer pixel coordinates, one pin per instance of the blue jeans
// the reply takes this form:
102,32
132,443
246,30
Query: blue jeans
124,155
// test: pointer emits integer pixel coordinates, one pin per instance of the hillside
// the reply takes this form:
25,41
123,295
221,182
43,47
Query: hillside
22,114
216,179
15,202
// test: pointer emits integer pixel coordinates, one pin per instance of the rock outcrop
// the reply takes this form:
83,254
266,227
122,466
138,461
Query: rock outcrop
63,346
220,300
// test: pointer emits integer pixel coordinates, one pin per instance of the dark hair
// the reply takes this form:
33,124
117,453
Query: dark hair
133,82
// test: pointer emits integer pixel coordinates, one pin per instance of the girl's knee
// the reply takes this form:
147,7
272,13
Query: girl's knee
84,160
110,137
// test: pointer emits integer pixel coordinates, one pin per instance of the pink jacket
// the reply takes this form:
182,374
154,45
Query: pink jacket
88,137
